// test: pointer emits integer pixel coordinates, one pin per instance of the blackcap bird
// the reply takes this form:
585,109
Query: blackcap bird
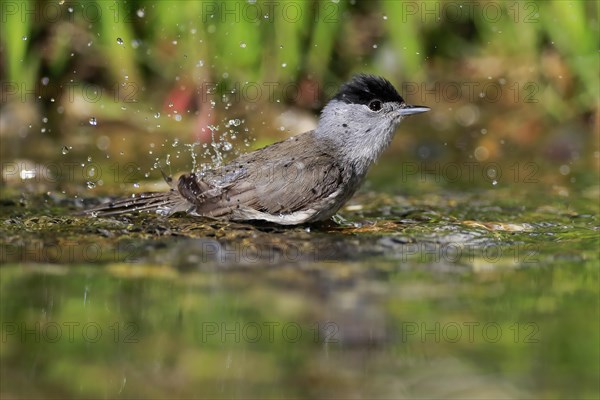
303,179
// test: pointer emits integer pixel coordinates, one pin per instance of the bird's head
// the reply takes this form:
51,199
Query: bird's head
361,118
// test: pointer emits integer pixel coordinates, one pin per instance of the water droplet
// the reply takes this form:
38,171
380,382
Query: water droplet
227,146
284,65
45,80
65,150
119,40
90,184
171,104
140,13
175,142
93,121
178,117
243,45
156,115
385,17
24,38
494,182
136,185
374,46
27,174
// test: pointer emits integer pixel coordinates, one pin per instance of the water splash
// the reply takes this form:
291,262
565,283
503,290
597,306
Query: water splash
218,158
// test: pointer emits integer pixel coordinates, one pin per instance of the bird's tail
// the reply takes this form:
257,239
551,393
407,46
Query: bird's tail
163,203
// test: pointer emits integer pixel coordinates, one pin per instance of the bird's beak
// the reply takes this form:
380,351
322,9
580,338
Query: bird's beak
410,110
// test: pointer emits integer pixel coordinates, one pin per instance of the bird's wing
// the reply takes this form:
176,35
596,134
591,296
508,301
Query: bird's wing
284,178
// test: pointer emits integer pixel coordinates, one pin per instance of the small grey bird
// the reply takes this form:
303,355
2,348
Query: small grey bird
303,179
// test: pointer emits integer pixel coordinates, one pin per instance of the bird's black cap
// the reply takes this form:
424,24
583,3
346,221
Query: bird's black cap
363,88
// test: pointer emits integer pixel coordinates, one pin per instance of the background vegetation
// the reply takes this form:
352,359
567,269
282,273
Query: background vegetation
125,62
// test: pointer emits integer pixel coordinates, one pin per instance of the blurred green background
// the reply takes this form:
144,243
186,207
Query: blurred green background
507,81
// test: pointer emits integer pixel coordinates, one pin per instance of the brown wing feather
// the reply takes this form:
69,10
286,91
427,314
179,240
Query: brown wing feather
291,182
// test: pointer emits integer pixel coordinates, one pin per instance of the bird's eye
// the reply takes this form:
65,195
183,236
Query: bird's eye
375,105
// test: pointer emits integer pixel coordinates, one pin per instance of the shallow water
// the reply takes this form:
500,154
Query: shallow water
484,293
